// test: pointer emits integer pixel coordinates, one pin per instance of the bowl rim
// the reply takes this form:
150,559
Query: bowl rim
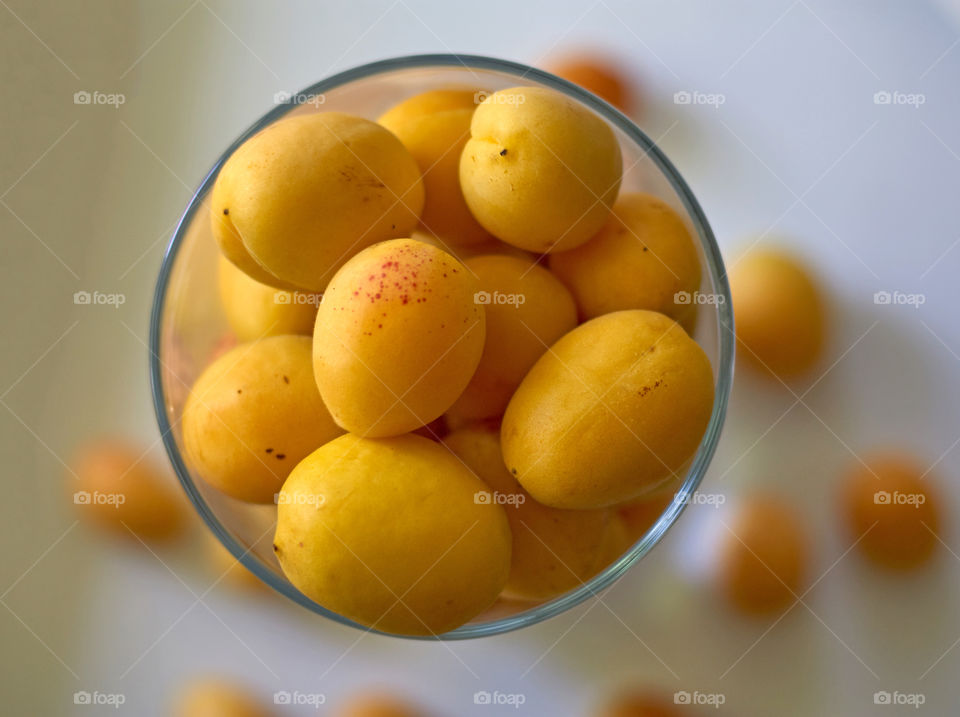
724,369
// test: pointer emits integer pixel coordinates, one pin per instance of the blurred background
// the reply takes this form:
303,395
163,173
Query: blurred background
828,128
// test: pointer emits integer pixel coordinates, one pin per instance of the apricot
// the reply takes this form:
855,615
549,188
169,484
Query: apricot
526,309
304,194
642,258
892,511
612,411
540,171
398,336
779,312
553,550
598,75
255,310
121,490
434,126
253,414
764,559
390,533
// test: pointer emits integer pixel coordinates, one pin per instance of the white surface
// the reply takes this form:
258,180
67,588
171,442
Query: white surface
798,152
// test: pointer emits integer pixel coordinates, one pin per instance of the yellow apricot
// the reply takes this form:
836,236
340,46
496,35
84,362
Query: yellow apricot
304,194
779,313
119,488
891,510
615,408
398,336
540,170
253,414
553,550
527,309
255,310
764,557
642,258
390,533
434,126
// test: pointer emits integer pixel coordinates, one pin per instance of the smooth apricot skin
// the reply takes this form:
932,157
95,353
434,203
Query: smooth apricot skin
255,310
642,258
390,533
764,561
253,414
304,194
119,489
892,510
527,309
540,170
780,313
553,550
434,126
398,335
614,409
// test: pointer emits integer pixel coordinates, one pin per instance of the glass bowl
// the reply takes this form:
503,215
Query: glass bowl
187,325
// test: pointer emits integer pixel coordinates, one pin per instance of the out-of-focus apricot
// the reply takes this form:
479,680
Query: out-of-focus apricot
121,490
891,511
216,697
599,75
764,559
639,704
377,704
779,313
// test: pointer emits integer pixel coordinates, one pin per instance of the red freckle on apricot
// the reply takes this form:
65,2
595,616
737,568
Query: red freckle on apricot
377,295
